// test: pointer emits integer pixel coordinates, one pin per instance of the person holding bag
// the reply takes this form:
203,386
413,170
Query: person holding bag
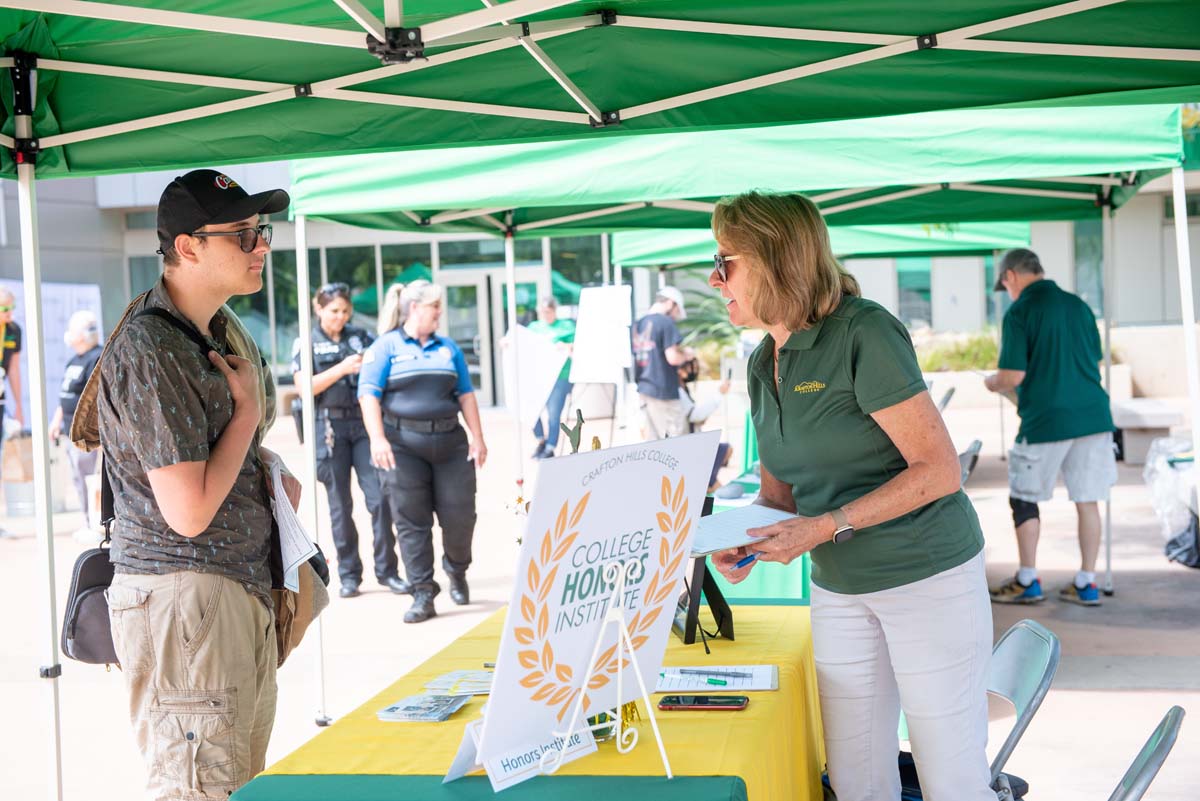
192,613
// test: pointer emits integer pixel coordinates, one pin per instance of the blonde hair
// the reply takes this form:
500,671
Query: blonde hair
400,298
392,315
794,279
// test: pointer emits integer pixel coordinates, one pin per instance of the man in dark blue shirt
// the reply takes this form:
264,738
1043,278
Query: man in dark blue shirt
657,353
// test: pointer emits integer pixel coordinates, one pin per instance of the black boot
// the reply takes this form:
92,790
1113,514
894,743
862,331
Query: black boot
422,606
460,593
397,585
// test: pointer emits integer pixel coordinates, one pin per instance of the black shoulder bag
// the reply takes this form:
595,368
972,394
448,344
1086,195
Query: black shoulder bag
86,633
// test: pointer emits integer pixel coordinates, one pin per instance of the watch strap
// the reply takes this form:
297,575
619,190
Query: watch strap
843,530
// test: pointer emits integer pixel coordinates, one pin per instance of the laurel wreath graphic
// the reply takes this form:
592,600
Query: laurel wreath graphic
552,682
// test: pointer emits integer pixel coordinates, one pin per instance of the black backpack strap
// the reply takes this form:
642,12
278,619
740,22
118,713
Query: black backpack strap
183,328
107,514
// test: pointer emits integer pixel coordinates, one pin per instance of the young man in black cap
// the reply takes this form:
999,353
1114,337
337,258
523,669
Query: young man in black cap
190,605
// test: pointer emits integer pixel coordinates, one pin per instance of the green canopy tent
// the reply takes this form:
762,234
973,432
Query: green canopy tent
666,180
991,165
329,76
96,87
671,247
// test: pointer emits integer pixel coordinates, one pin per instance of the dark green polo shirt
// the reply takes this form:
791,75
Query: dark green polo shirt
816,434
1051,335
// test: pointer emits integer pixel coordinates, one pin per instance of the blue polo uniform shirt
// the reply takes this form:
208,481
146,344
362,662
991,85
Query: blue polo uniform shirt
415,381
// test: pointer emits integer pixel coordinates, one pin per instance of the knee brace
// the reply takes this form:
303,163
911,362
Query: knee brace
1023,511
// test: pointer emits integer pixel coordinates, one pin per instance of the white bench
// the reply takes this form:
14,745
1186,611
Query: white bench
1143,420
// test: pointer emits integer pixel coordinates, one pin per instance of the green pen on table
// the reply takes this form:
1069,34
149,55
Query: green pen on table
710,680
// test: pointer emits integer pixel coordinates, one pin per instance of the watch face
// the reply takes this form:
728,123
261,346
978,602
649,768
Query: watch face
843,535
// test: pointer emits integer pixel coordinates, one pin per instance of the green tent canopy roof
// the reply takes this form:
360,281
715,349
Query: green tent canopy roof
154,84
687,247
955,166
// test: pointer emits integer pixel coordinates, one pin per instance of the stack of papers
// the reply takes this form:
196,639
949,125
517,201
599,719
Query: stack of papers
433,708
718,678
462,682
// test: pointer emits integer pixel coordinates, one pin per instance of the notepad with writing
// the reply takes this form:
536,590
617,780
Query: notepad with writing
717,678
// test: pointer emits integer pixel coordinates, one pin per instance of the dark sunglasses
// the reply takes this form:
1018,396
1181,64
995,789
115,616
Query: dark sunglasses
721,264
247,237
336,288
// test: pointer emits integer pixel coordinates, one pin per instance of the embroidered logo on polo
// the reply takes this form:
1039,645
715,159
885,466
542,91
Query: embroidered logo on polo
809,387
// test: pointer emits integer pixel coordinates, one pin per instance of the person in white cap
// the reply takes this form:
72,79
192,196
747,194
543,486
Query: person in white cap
83,337
657,351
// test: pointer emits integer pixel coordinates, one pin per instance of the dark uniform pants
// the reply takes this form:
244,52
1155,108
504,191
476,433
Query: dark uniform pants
432,475
352,449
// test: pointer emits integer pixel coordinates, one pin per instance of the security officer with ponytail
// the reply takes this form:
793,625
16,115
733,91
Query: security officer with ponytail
342,442
414,384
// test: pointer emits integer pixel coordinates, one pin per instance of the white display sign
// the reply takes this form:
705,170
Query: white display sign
59,302
602,348
633,504
535,362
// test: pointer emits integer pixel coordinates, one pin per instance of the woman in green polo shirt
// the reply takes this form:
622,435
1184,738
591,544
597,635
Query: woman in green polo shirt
850,441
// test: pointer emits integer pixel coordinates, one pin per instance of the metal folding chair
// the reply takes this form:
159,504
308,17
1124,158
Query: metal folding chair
969,458
1141,773
1024,662
945,401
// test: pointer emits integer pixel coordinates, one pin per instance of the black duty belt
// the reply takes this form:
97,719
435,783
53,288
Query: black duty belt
340,412
440,424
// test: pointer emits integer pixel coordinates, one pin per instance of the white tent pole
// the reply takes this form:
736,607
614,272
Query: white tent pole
605,266
304,385
514,403
583,215
617,274
25,83
364,17
546,282
1188,307
1107,285
393,13
378,280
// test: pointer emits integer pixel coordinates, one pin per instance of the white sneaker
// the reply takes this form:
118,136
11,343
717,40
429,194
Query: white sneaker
88,536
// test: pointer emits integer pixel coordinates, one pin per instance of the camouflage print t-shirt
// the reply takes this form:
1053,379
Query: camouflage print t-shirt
162,403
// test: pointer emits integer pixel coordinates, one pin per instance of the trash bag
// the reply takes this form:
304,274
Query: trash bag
1184,547
1169,477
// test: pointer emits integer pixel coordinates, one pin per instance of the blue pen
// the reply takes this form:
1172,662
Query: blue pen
745,561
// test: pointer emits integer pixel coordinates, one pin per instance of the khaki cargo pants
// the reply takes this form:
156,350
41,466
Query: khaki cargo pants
198,653
662,418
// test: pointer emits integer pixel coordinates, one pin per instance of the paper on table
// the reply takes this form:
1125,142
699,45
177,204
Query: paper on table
762,677
294,543
726,530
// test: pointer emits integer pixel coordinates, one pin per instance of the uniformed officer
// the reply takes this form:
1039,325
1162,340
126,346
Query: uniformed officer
412,386
82,337
342,442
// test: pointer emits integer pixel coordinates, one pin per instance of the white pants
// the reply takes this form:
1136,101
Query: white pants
923,647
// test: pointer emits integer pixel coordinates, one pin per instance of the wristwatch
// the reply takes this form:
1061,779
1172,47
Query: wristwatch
844,531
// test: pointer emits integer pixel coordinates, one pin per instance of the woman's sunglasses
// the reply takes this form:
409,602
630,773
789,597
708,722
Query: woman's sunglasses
247,237
721,264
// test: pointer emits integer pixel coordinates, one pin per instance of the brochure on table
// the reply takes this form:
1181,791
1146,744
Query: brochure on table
635,507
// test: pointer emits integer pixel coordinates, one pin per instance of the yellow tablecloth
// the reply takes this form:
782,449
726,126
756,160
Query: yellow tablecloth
774,745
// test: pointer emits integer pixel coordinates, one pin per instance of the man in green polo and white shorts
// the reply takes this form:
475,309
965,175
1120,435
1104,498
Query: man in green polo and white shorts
1050,354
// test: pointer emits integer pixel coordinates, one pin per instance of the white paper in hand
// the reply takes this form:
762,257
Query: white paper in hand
294,542
726,530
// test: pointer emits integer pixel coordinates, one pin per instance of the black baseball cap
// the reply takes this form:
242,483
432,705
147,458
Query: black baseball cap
208,197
